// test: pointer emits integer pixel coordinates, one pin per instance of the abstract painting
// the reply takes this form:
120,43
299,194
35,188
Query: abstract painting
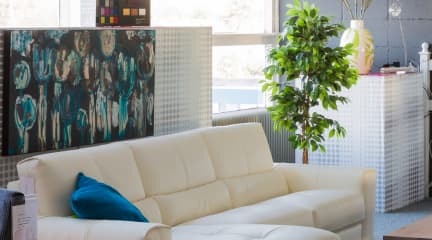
68,88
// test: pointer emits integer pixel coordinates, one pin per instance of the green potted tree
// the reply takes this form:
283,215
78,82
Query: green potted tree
310,74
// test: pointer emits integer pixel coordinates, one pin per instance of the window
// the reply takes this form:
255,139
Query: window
29,13
47,13
243,31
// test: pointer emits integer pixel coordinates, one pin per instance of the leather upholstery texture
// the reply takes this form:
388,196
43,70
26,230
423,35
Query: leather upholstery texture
238,151
309,208
207,177
57,228
363,181
251,231
256,187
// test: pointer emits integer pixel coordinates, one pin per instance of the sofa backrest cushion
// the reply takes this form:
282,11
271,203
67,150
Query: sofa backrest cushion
171,179
197,202
257,187
55,174
150,209
173,163
238,150
177,172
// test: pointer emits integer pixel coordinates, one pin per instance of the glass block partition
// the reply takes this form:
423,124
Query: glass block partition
385,131
183,79
182,90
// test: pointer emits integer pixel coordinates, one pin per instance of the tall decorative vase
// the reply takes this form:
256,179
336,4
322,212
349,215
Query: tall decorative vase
363,46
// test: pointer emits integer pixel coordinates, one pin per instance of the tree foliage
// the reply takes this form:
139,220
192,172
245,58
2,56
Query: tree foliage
310,75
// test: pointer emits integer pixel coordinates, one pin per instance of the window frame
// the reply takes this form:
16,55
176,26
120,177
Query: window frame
269,38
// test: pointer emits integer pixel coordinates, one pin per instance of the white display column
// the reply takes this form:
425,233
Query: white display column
183,79
385,130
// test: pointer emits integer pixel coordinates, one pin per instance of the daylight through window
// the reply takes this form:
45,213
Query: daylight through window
243,31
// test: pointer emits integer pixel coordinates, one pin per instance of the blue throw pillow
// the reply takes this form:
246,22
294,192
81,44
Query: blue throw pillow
95,200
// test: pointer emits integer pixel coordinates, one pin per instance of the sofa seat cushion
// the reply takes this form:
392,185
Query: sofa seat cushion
333,210
327,209
279,211
252,231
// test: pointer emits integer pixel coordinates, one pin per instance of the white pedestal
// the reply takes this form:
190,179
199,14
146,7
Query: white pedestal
385,131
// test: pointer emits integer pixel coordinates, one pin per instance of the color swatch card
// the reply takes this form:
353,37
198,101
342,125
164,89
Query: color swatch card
123,13
107,13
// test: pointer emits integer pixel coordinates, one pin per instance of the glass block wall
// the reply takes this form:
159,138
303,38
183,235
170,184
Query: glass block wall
385,131
183,79
182,90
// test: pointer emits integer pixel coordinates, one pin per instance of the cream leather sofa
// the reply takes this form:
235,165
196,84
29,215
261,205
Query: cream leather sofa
207,184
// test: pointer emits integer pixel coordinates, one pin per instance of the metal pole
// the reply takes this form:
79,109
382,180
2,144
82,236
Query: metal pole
425,69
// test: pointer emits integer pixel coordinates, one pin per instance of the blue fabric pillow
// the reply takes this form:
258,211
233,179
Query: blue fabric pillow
95,200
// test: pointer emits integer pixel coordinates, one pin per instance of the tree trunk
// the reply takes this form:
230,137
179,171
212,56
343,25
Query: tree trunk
305,151
305,156
304,127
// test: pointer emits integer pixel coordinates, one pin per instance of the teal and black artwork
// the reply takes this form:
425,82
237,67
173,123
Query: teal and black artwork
69,88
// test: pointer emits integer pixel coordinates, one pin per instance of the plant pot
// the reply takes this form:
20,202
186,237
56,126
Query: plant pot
363,46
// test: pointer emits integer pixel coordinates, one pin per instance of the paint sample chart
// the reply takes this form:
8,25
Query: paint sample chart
123,13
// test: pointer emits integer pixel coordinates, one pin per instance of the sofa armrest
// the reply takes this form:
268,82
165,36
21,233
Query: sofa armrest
14,185
54,228
310,177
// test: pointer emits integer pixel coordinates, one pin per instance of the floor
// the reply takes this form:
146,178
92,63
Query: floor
388,222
